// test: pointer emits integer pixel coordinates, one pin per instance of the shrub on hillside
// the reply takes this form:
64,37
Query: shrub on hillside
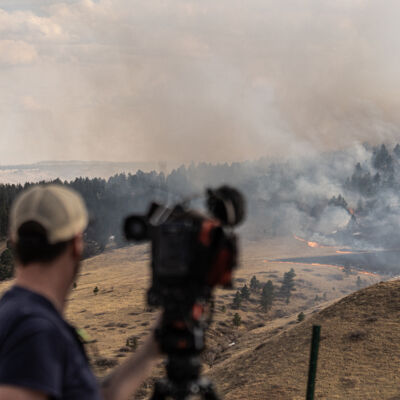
237,320
132,343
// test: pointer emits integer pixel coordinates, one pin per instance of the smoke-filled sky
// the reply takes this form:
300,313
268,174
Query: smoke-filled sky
182,80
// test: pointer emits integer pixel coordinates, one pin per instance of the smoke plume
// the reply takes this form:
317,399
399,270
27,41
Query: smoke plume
127,80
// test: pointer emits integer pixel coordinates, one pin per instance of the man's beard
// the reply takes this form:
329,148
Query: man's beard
77,268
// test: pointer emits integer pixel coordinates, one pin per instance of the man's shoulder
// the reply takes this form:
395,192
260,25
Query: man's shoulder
22,316
40,350
24,324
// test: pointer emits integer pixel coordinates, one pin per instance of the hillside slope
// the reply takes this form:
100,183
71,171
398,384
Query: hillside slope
359,353
118,311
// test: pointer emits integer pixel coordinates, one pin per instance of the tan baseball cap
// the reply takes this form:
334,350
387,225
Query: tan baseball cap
59,210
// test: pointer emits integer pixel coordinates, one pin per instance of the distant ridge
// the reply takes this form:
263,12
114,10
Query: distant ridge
359,353
69,170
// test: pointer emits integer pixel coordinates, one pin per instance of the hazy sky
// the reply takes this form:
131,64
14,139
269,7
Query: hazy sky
214,80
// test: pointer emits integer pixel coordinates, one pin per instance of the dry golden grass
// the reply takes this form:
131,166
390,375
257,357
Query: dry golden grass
119,311
359,353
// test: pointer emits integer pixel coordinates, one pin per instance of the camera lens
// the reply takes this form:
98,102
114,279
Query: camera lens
226,204
136,228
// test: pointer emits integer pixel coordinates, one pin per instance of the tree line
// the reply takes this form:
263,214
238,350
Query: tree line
266,292
272,196
108,201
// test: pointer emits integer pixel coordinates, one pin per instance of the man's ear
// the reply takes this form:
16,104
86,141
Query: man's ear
77,246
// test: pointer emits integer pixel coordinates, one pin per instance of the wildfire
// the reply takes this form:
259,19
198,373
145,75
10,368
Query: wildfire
344,252
328,265
310,243
367,273
299,238
351,211
340,267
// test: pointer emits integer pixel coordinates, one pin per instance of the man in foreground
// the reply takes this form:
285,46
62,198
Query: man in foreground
41,355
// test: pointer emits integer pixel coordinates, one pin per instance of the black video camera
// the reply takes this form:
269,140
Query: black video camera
191,254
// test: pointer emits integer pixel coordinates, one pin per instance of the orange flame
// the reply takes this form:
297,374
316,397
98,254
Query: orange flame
340,267
299,238
367,273
310,243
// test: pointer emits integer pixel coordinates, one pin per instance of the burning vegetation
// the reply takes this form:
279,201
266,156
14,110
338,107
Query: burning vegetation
349,199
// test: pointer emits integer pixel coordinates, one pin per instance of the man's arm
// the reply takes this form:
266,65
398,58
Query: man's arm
127,377
17,393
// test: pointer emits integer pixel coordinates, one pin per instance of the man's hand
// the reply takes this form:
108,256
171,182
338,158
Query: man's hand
17,393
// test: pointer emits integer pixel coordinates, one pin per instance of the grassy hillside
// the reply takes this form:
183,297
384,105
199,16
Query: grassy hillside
265,355
359,353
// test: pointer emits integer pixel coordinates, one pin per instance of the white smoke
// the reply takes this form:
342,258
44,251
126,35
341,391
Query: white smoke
188,80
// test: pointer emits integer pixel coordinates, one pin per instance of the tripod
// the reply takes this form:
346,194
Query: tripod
181,337
183,381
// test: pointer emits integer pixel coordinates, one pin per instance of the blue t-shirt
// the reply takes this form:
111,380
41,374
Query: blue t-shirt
40,350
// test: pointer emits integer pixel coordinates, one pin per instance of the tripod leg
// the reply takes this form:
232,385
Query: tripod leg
160,391
157,396
210,395
208,391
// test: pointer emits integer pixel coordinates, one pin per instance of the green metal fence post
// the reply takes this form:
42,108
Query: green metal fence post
312,371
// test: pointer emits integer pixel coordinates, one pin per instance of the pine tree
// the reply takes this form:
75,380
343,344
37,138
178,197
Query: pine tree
396,150
6,257
237,301
6,272
382,160
267,296
287,284
254,284
237,320
245,292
